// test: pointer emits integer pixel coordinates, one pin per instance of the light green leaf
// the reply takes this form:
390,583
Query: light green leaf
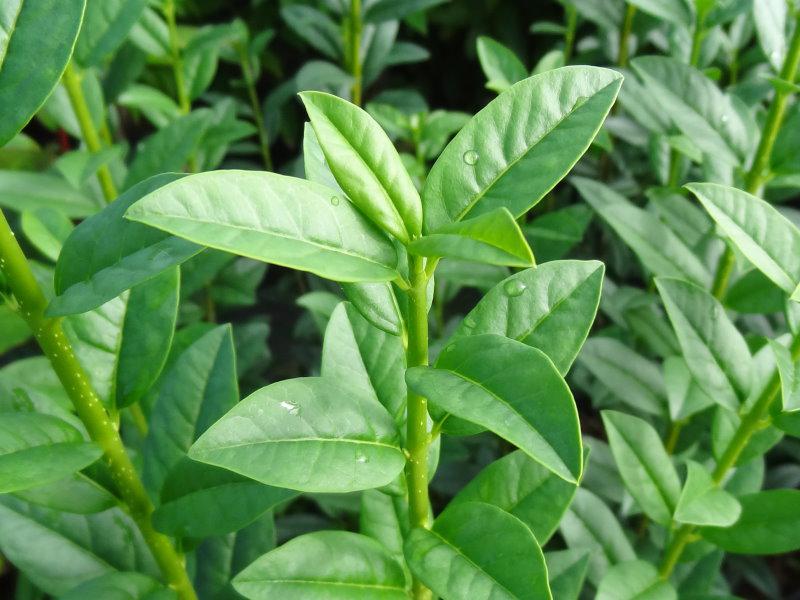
324,565
385,10
121,586
274,218
768,239
524,488
511,389
551,307
377,303
518,147
555,233
493,238
74,494
459,558
310,434
314,163
500,65
660,250
789,370
365,164
770,524
316,28
105,27
684,395
566,570
703,503
645,466
36,41
770,17
23,190
384,518
46,229
36,449
713,348
107,254
674,11
13,329
634,580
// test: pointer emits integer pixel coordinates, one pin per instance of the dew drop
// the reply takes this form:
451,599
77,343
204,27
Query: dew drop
290,407
470,322
514,288
470,157
360,458
774,55
334,200
725,118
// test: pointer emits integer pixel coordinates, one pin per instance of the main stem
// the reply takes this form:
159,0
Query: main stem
759,170
355,49
258,117
177,62
57,348
624,36
750,423
571,15
418,438
72,83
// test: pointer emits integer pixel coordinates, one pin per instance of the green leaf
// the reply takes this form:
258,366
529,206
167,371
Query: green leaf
316,28
684,395
555,233
551,307
713,348
524,488
460,556
674,11
566,570
121,586
365,164
324,565
315,165
58,551
199,388
74,494
500,65
717,123
36,449
13,329
518,147
770,17
46,229
590,525
511,389
645,466
789,370
385,10
634,580
105,26
660,250
493,238
107,254
23,190
703,503
35,46
199,501
770,524
299,224
768,239
356,352
628,375
377,303
310,434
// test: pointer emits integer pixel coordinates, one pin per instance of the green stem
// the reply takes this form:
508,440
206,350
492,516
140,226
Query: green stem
569,32
175,54
258,117
57,348
72,83
750,423
624,36
417,438
355,49
697,41
759,170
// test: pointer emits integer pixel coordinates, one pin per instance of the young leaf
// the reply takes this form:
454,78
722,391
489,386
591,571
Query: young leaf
703,503
500,65
310,434
378,304
674,11
365,164
770,18
524,488
770,524
105,27
37,42
684,395
37,449
458,558
106,254
21,190
789,371
551,307
324,565
645,466
118,584
525,402
274,218
46,229
768,239
634,580
518,147
713,348
493,238
384,518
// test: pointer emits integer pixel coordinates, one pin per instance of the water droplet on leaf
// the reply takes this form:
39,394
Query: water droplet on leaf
514,288
360,458
470,322
290,407
470,157
335,200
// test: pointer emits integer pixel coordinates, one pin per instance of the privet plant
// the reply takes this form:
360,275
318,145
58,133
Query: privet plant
417,437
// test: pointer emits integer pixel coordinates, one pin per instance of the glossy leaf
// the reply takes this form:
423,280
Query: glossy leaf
330,565
516,149
493,238
526,402
21,190
703,503
310,434
790,377
674,11
105,27
378,304
634,580
500,65
121,585
770,17
46,229
299,224
458,557
37,40
566,570
713,348
365,164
